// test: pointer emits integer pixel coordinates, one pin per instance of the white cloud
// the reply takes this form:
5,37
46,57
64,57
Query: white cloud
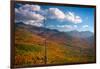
85,26
78,19
30,7
34,15
27,15
55,13
73,18
75,26
67,27
34,23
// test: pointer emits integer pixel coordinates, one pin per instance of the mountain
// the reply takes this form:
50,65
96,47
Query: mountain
62,47
51,32
72,37
82,34
84,37
36,30
44,32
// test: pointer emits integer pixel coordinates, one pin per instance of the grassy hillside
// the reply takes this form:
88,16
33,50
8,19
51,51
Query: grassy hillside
30,49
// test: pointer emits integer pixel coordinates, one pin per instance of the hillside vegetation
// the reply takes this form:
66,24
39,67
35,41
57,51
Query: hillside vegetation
61,48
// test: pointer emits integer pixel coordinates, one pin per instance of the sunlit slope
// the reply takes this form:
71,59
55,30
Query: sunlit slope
61,48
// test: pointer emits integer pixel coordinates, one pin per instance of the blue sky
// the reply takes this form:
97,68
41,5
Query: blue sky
62,18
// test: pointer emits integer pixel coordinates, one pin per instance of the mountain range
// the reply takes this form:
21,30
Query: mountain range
68,47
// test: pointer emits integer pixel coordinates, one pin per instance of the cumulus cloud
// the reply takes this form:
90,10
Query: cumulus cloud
34,15
27,15
55,13
73,18
30,7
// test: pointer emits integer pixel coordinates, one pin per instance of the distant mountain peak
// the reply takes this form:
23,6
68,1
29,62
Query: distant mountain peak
47,31
82,34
